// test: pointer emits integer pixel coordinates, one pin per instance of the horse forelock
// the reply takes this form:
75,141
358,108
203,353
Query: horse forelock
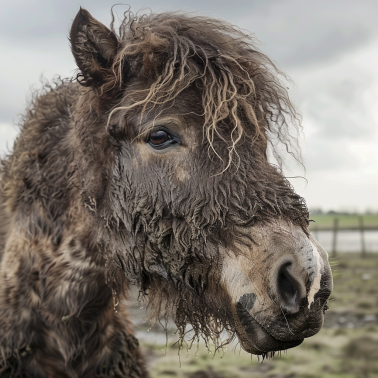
240,86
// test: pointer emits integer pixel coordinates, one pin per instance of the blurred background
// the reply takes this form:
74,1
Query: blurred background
330,50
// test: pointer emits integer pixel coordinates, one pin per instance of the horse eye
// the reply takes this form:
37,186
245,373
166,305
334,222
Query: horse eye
159,138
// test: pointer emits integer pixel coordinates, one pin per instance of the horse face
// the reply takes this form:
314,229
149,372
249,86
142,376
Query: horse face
224,242
202,238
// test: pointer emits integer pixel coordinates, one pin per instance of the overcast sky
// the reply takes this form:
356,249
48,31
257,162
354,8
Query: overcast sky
329,49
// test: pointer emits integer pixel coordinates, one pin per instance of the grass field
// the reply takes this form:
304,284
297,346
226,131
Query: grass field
326,221
346,347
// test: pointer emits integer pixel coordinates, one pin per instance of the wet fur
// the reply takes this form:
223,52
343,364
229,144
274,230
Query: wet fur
79,223
57,314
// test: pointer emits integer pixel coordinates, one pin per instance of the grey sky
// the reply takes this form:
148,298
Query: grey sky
329,49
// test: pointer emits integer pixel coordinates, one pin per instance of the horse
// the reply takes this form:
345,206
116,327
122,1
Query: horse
150,168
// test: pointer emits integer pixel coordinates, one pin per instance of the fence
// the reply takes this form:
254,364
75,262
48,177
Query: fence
359,226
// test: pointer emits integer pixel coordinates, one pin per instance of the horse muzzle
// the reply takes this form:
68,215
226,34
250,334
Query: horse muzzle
278,289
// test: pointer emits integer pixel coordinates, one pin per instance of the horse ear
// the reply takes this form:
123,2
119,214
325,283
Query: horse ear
93,46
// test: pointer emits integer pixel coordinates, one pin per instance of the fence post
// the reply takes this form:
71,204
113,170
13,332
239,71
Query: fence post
334,241
362,229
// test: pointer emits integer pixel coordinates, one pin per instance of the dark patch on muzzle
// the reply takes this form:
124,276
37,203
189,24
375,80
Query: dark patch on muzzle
259,341
247,301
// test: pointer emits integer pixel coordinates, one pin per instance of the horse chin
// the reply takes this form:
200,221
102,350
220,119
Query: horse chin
255,339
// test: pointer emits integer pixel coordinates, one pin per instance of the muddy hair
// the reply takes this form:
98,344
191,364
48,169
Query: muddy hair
243,100
194,319
242,89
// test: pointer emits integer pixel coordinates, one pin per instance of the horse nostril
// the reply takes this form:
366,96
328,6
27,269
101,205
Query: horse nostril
287,286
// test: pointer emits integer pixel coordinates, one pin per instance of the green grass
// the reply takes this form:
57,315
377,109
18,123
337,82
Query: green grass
326,221
338,351
355,284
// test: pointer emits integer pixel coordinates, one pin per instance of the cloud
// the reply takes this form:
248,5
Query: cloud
7,135
324,45
336,105
22,73
299,33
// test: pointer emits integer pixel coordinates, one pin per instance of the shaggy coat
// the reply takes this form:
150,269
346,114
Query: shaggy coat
92,201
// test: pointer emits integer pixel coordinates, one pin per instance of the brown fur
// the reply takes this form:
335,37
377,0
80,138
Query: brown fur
88,209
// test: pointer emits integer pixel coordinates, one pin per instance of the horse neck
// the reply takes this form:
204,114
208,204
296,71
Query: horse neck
55,305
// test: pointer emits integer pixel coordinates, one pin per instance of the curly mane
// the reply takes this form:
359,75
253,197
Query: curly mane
242,89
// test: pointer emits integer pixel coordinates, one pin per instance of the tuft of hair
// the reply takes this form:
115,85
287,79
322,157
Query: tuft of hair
195,321
243,92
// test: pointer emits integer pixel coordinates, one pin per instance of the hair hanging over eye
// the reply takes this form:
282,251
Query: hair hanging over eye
243,92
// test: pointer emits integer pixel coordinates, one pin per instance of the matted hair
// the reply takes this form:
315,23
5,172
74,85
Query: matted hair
243,99
242,89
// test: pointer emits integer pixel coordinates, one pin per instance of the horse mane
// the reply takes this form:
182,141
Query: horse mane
243,91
